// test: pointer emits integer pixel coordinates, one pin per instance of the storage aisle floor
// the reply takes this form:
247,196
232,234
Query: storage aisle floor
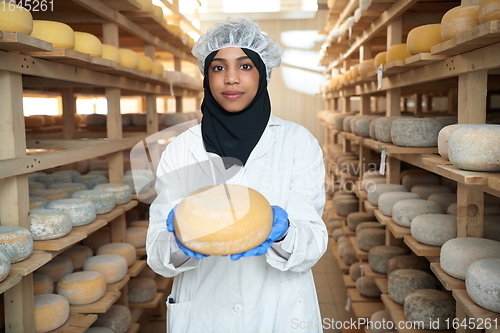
331,293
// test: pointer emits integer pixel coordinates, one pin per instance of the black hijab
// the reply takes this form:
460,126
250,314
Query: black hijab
233,135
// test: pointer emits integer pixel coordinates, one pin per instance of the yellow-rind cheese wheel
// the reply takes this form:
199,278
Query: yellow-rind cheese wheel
51,312
380,59
136,237
157,68
59,34
489,10
209,221
158,12
459,19
397,52
128,58
34,121
42,284
175,29
110,52
421,39
112,266
125,250
145,64
366,66
57,268
82,287
146,5
87,43
15,18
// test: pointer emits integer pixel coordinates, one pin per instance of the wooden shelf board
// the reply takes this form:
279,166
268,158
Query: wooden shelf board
435,160
448,282
475,311
382,284
134,328
395,67
360,254
381,217
117,286
366,309
393,149
494,183
367,270
464,176
17,42
111,215
98,63
422,250
149,305
60,243
348,282
128,206
422,59
35,261
132,73
97,224
355,296
122,5
136,268
76,323
10,281
141,251
369,207
373,144
481,35
135,314
64,56
100,306
398,231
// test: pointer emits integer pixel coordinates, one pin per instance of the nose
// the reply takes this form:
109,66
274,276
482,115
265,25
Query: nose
231,77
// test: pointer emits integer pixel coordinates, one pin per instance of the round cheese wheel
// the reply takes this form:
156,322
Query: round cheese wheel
49,224
51,312
157,68
125,250
366,66
117,318
122,192
78,255
141,290
434,229
112,266
397,52
80,211
444,137
57,268
366,225
425,191
382,128
145,63
444,199
367,287
387,200
371,183
336,233
345,206
353,219
355,271
33,121
489,10
380,59
110,52
37,202
347,123
374,195
50,194
82,287
4,266
210,221
459,253
475,147
430,307
104,201
415,132
128,58
403,281
146,5
379,255
15,18
16,242
408,262
459,19
91,181
70,188
42,284
404,211
59,34
483,285
137,237
87,43
370,237
381,322
422,38
362,125
349,255
95,120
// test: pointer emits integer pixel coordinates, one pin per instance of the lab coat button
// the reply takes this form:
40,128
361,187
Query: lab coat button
237,308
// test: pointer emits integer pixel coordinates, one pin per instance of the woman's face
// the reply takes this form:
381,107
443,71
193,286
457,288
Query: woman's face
234,79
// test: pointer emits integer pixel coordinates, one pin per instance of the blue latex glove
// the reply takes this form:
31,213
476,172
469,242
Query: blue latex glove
279,229
170,227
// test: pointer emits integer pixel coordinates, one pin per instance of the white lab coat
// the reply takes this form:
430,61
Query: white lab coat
272,293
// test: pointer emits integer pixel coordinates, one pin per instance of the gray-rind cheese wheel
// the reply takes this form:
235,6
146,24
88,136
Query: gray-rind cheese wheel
37,202
344,206
415,132
4,266
16,242
349,255
353,219
419,177
475,147
434,229
408,262
48,180
338,120
444,138
483,284
80,211
50,194
387,200
369,184
90,181
365,225
104,201
384,188
35,186
141,290
122,192
336,233
347,123
459,253
367,287
381,322
370,237
70,188
117,318
49,224
430,306
425,191
383,128
404,211
444,199
362,126
379,255
403,281
57,268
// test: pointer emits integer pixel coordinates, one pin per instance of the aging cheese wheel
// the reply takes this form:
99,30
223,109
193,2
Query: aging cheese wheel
15,18
126,250
370,237
37,202
367,287
404,211
387,200
381,322
430,306
403,281
78,255
383,128
415,132
434,229
42,284
117,318
91,181
122,192
4,266
136,237
336,233
223,220
87,43
422,38
50,194
444,199
407,261
69,188
57,268
110,52
146,5
51,312
157,68
366,66
95,120
59,34
374,195
483,285
82,287
349,254
353,219
425,191
145,63
380,59
489,10
355,271
33,121
80,211
379,255
141,290
366,225
362,125
345,205
444,137
104,201
49,120
112,266
459,19
49,224
397,52
459,253
16,242
128,58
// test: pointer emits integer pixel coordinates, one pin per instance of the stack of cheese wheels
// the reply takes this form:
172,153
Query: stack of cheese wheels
397,52
49,224
87,43
128,58
421,39
82,287
125,250
223,220
112,266
15,18
4,266
59,34
16,242
458,20
489,10
57,268
483,285
110,52
51,312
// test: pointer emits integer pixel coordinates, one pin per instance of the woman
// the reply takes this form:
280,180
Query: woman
270,289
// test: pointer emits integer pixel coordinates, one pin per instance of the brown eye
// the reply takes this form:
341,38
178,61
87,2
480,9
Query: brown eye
246,67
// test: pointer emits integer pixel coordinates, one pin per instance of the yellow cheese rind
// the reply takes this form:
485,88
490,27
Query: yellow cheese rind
397,52
366,66
145,64
59,34
489,10
128,58
157,68
87,43
110,52
208,222
42,284
112,266
15,18
421,39
459,19
146,5
51,312
136,237
126,250
82,287
34,121
158,12
380,59
57,268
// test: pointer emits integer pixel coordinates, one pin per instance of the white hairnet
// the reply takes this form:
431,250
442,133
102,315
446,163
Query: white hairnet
241,32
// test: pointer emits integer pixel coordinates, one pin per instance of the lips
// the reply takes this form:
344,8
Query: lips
232,95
